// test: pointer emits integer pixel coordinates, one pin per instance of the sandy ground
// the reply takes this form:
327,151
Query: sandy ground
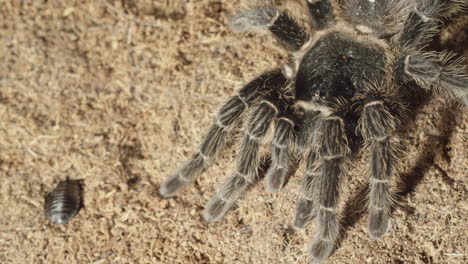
119,93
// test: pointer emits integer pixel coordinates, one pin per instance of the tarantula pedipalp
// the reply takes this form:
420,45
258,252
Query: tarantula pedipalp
346,82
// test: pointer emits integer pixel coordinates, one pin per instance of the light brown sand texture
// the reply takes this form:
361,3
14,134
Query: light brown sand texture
119,94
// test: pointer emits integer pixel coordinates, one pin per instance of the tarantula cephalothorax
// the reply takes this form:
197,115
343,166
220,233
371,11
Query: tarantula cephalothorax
345,83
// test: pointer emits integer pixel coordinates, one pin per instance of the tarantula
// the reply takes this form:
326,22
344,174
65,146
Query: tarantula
346,82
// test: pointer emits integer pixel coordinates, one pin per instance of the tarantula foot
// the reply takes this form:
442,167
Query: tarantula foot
379,223
185,175
215,209
275,178
171,186
320,250
252,19
304,214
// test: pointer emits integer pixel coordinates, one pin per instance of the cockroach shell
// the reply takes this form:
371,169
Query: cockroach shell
64,202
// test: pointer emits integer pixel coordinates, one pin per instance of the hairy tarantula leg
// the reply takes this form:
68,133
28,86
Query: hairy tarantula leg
305,131
305,207
321,13
281,154
421,23
227,118
439,72
377,126
332,153
284,28
247,163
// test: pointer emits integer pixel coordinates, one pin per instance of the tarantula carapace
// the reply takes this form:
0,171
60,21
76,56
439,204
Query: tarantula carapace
346,82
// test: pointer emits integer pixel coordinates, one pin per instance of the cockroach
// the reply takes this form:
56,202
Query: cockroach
64,202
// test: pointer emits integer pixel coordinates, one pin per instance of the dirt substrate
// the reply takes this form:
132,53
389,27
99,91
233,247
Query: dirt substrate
119,93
